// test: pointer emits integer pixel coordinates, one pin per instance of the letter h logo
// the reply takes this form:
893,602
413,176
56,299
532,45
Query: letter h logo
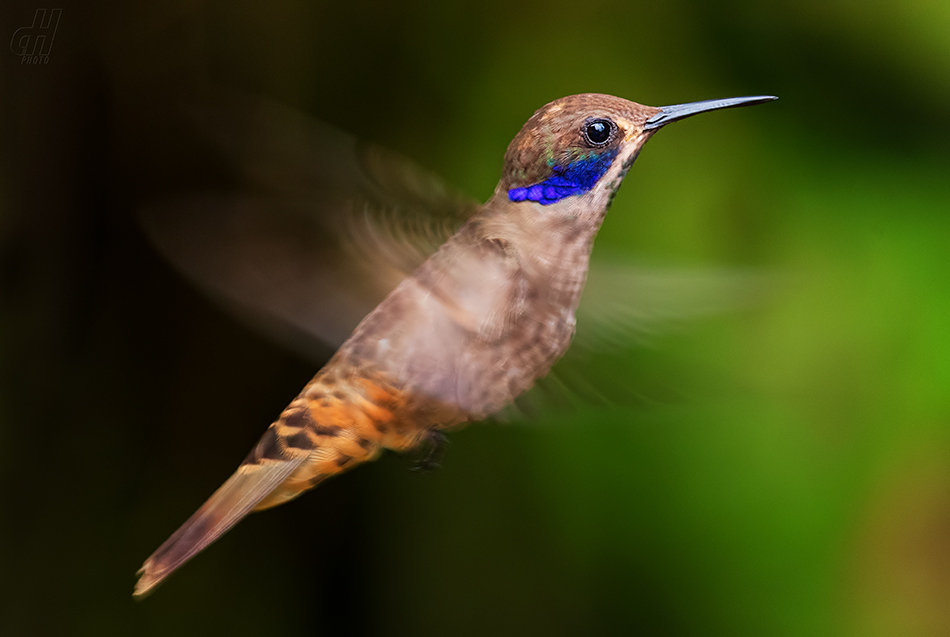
33,43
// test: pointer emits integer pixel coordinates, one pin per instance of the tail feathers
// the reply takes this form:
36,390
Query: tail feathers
296,452
237,497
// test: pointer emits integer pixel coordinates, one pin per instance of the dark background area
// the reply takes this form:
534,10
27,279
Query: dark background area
798,484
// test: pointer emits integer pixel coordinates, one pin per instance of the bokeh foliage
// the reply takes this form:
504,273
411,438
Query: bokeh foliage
787,468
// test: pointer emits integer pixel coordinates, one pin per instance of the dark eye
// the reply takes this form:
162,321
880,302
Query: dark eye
598,131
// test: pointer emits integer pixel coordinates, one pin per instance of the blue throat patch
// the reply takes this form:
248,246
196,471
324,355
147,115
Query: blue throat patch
576,178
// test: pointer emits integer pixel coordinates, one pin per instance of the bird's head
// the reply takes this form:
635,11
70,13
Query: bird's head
583,146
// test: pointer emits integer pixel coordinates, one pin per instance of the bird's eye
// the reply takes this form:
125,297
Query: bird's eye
597,132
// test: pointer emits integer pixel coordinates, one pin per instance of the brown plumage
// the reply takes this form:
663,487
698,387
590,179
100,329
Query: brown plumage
472,328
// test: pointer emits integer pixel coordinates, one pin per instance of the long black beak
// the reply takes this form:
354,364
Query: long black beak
669,114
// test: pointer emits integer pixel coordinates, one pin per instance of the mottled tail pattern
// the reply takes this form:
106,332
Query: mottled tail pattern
332,425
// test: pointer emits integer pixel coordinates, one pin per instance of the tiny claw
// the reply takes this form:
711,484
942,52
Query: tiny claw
435,442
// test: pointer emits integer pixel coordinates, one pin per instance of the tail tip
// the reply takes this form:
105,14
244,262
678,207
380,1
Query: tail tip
148,580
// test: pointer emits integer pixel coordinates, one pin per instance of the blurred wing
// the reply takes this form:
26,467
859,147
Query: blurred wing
627,306
625,303
377,200
272,264
321,228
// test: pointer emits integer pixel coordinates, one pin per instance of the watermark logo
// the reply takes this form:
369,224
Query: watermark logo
33,43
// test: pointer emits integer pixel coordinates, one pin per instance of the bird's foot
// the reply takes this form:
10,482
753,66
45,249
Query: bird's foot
434,444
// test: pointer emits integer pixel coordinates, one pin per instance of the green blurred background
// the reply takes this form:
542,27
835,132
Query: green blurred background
787,471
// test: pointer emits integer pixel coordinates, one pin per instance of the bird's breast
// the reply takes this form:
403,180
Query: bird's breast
475,326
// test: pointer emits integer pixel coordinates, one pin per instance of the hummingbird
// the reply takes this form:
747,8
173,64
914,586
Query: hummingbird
473,327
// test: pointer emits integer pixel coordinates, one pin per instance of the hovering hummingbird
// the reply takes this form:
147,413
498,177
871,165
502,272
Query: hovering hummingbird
469,330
